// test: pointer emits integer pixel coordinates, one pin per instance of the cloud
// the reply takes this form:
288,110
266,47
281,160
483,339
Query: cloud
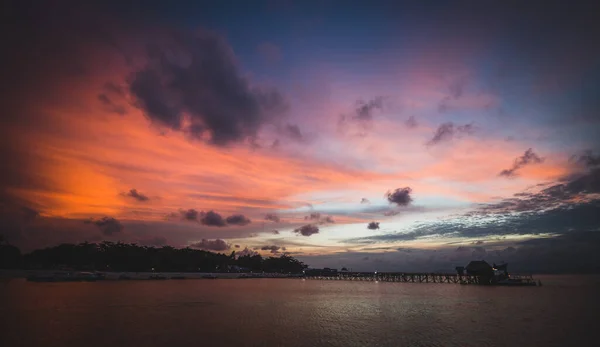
327,220
313,216
246,252
293,132
362,115
373,225
316,216
237,246
190,215
307,230
457,87
237,219
276,143
272,217
411,122
587,158
574,190
273,249
211,218
110,106
447,131
365,201
108,225
364,110
196,75
14,219
270,52
571,206
133,193
391,213
529,157
275,232
211,245
29,214
400,196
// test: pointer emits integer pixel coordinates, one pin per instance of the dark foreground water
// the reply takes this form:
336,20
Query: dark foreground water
293,312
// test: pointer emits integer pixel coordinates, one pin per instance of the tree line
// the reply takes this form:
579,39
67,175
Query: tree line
110,256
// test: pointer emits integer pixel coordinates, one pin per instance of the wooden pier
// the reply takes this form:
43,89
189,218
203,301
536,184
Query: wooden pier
399,277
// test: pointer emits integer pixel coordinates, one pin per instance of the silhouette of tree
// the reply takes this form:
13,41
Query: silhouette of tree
10,256
110,256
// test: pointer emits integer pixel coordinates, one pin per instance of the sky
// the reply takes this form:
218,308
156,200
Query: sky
380,135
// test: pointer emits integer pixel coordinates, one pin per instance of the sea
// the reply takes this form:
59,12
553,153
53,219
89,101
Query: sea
564,311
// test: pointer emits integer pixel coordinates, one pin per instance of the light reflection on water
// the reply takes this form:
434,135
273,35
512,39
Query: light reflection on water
293,312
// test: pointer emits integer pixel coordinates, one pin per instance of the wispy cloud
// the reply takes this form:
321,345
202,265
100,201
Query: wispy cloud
447,131
529,157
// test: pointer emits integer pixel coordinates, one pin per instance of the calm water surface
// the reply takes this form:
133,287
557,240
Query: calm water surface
293,312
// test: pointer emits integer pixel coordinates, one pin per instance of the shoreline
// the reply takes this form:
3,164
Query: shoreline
124,276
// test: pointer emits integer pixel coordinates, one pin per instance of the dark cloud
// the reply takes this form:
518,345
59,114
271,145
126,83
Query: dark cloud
400,196
313,216
307,230
571,206
14,219
362,115
272,217
110,106
293,132
238,219
411,122
190,215
365,201
213,219
373,225
133,193
104,99
273,249
529,157
327,220
576,188
364,110
212,245
196,74
572,252
587,158
237,246
29,214
448,131
210,218
316,216
113,88
275,232
108,225
456,87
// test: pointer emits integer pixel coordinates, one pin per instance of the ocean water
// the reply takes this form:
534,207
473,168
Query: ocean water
565,311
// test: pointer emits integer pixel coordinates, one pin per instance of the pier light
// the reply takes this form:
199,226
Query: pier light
376,272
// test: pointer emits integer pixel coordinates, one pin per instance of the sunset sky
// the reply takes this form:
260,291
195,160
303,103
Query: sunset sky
387,136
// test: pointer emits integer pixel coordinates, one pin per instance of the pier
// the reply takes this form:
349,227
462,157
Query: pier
476,272
399,277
